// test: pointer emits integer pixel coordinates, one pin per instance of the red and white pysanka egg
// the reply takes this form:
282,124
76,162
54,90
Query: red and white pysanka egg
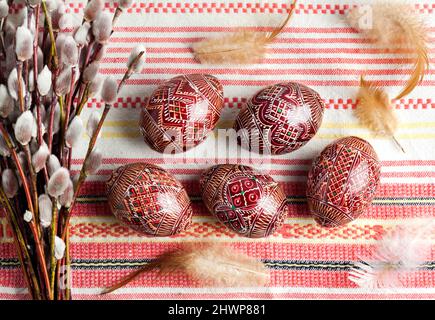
148,199
342,181
245,200
182,112
280,119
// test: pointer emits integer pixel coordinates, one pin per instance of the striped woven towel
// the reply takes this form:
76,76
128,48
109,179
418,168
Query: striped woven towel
318,49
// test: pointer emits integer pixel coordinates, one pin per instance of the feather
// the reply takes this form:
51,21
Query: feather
374,110
396,27
208,263
243,47
399,253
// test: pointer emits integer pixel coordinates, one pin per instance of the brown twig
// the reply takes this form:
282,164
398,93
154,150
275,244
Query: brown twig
53,233
53,50
20,85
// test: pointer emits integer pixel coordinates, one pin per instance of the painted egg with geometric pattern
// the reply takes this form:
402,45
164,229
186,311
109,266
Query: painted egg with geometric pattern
342,181
182,112
247,201
280,119
148,199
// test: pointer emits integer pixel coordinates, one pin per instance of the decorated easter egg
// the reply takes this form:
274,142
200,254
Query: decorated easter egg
342,181
280,119
245,200
148,199
181,112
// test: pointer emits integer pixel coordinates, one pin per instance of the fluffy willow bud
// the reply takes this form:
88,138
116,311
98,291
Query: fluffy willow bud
139,64
53,164
31,82
4,9
102,27
4,150
74,131
60,39
95,86
66,21
70,52
23,43
39,158
13,84
92,124
57,14
28,216
9,183
109,90
44,81
67,197
91,71
59,248
81,35
58,182
94,161
6,102
93,9
45,210
24,127
125,4
63,82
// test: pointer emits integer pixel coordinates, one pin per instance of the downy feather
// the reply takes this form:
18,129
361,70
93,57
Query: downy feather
243,47
398,255
210,264
375,112
397,27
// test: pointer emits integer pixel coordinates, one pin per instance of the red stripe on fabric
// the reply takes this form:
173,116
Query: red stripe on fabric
280,278
282,173
386,212
227,8
257,296
393,190
283,71
238,102
289,162
271,50
260,250
265,61
316,30
318,83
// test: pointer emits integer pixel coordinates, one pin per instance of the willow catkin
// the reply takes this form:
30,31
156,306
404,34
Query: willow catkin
23,43
9,183
138,65
58,182
6,102
45,210
44,81
39,158
102,27
74,132
109,91
93,9
24,127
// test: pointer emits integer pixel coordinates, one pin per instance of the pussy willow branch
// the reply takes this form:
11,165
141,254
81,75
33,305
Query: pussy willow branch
83,172
23,254
33,229
52,242
53,50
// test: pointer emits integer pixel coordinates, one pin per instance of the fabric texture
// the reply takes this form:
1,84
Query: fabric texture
318,49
